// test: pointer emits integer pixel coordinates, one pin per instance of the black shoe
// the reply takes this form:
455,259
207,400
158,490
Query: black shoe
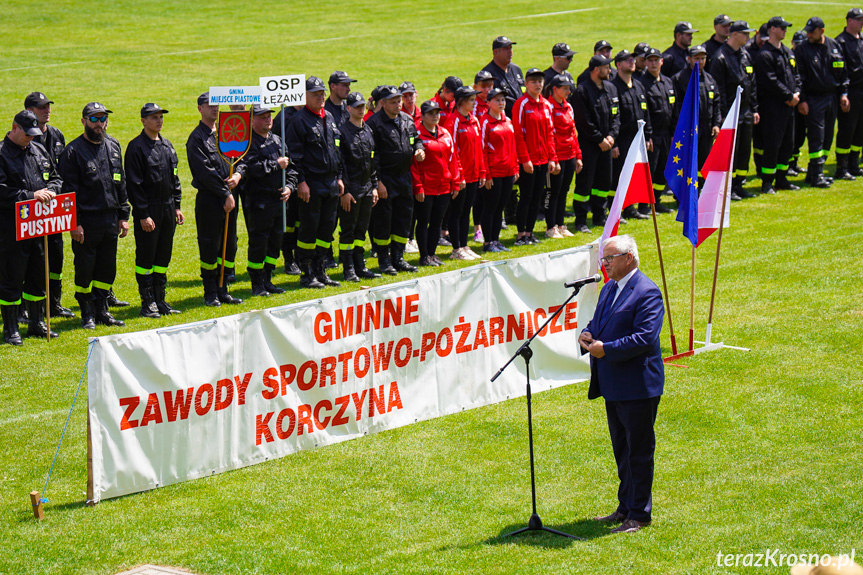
444,243
532,239
23,318
630,526
384,262
308,279
582,228
438,262
784,184
150,310
427,261
793,171
330,262
662,208
522,241
88,319
501,247
744,194
348,272
268,282
225,297
767,188
320,272
37,327
843,175
820,182
10,325
360,266
258,289
616,517
103,316
114,302
735,197
292,269
398,256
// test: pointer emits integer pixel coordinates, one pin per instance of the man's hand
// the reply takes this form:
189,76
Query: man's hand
420,197
346,200
615,152
382,191
284,162
596,350
420,155
374,197
44,195
844,103
77,234
714,131
233,181
585,339
795,99
756,117
605,145
527,167
286,194
148,225
341,185
123,228
579,165
553,168
803,108
304,192
650,145
488,184
181,219
230,203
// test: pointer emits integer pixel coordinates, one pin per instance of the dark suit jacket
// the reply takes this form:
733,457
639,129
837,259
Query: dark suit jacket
629,331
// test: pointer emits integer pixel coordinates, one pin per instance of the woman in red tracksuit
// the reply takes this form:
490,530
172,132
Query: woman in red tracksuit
498,143
464,128
568,154
435,179
445,97
534,145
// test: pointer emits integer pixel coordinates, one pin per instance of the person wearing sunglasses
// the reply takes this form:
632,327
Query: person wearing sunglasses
626,370
91,167
561,55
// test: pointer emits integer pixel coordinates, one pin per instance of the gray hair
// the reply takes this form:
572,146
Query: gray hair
625,245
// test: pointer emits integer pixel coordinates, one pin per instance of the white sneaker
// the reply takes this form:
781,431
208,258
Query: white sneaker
473,255
564,231
458,254
553,234
411,247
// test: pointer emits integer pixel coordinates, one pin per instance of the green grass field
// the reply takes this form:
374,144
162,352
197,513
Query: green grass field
757,450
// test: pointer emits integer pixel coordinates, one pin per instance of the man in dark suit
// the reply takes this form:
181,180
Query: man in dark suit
626,369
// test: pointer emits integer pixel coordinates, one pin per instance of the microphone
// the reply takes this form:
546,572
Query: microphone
583,281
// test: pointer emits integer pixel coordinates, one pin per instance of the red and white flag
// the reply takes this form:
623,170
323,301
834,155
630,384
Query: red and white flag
718,170
635,186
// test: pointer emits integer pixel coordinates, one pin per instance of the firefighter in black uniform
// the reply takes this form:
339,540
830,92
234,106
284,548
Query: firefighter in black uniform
799,122
264,196
601,48
507,76
27,172
91,166
778,94
849,134
53,141
823,89
674,59
721,31
361,193
154,192
640,52
312,139
731,68
595,109
561,55
213,203
292,220
752,48
396,144
340,87
660,104
709,116
632,98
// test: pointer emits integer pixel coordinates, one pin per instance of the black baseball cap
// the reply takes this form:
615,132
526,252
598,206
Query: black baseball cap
28,122
562,50
339,77
741,26
501,42
560,80
854,13
355,99
94,108
698,49
722,20
799,36
204,99
314,84
429,106
151,108
762,32
406,87
684,28
482,76
778,22
452,83
376,93
494,93
258,110
641,49
465,92
597,61
651,52
387,92
601,45
622,55
36,100
813,24
533,72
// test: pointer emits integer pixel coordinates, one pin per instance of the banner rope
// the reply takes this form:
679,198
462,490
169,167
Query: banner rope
68,417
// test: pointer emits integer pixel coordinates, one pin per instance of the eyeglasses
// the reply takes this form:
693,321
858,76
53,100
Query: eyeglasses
607,259
96,119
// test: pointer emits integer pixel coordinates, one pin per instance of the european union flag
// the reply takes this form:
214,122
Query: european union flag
681,171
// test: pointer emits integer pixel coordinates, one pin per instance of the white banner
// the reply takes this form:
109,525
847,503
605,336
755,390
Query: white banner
277,91
227,95
189,401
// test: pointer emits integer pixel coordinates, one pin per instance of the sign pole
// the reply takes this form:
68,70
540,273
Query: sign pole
664,283
692,305
47,292
284,175
225,236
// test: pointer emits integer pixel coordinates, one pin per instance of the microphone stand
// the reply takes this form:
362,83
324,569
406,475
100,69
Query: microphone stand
535,523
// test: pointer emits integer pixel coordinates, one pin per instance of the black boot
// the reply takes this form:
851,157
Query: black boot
23,318
816,175
793,170
633,214
37,327
291,267
360,265
57,309
211,290
257,277
767,184
842,172
330,260
782,182
347,260
148,300
114,302
10,325
384,261
160,287
737,187
854,164
321,272
225,297
397,252
103,316
88,314
307,279
268,280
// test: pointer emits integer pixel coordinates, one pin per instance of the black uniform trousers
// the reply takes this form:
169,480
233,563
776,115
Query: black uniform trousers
292,224
354,224
153,249
494,202
210,221
592,184
393,215
55,257
459,215
849,133
799,134
531,189
430,213
630,424
820,123
265,230
657,159
21,264
776,132
317,217
557,193
96,257
742,148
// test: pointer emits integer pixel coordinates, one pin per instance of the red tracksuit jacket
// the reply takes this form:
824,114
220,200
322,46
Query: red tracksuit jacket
446,108
534,133
498,143
565,138
468,144
440,172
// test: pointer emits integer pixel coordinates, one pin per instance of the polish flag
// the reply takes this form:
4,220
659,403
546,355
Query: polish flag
718,170
634,187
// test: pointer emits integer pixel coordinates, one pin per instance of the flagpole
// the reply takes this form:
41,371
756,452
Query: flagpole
692,305
664,283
